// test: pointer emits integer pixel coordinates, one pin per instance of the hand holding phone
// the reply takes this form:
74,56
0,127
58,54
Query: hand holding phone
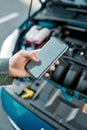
48,54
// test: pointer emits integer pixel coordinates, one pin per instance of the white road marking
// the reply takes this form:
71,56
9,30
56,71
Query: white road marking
8,17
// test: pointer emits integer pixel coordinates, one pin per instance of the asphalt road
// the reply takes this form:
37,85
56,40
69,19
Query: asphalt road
12,14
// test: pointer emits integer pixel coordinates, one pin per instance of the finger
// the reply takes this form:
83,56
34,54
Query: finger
57,62
52,68
46,75
31,55
36,51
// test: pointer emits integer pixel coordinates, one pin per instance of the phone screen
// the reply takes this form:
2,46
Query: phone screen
48,54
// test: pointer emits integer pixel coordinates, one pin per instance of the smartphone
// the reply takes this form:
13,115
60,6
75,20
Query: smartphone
48,54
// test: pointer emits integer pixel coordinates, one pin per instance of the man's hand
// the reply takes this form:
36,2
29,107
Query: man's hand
18,62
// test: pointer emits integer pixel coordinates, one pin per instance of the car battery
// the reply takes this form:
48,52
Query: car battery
59,102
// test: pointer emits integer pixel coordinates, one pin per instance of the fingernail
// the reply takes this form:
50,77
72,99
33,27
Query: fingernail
37,59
